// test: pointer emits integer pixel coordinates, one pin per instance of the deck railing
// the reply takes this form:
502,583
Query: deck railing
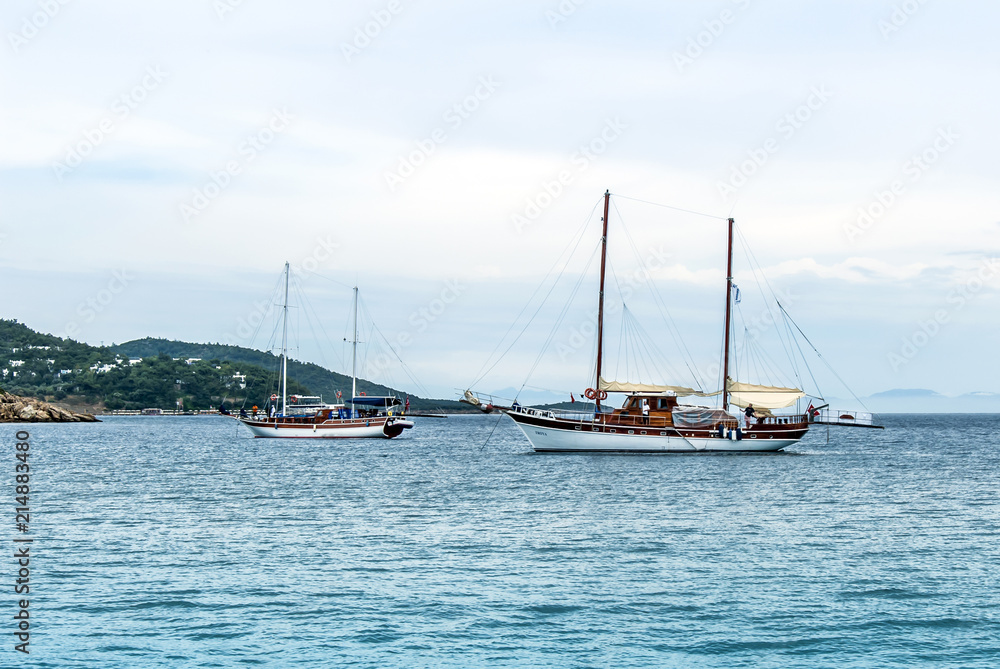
621,419
779,420
841,417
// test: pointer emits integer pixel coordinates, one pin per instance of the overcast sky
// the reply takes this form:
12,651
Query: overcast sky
161,160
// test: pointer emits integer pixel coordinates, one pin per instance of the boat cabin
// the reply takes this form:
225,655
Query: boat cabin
373,405
306,405
660,404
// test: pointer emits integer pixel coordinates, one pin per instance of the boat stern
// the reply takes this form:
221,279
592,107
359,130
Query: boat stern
394,426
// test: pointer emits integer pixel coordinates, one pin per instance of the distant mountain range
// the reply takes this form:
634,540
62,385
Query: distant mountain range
915,400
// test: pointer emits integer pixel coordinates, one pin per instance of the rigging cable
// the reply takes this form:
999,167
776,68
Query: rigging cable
402,364
256,331
274,294
621,344
559,318
665,314
579,238
820,355
667,206
758,365
305,312
308,307
754,265
652,352
786,318
490,435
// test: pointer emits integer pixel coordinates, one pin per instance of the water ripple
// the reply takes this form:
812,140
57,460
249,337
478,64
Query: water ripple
178,542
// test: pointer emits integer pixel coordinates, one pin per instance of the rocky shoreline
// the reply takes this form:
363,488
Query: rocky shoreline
15,409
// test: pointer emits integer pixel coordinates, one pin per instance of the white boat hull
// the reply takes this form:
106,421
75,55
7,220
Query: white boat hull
360,428
574,437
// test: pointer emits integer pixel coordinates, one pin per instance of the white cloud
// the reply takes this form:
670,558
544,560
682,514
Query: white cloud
325,176
852,270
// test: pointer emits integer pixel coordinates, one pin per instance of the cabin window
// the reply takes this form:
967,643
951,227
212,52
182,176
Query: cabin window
578,427
643,432
663,434
612,431
631,431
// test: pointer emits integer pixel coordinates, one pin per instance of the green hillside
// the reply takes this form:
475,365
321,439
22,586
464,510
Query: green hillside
62,370
319,380
169,375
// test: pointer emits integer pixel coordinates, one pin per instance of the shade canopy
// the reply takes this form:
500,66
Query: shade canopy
625,387
376,401
740,394
767,397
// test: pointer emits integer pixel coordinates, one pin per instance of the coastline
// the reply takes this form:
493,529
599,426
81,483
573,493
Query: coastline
17,409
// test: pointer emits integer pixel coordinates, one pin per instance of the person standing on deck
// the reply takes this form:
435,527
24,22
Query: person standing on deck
750,414
645,411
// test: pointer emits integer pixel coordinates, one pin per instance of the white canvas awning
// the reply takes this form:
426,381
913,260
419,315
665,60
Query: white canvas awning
740,394
767,397
625,387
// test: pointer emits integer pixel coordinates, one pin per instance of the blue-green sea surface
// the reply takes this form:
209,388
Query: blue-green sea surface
182,542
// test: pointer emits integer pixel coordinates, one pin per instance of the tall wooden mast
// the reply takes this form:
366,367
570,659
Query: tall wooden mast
600,304
729,303
284,349
354,354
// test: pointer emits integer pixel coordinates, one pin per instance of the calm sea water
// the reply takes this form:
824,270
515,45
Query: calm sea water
181,542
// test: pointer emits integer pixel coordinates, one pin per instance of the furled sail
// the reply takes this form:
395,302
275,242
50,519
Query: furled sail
625,387
767,397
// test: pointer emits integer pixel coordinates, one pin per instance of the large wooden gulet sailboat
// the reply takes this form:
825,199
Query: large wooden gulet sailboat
651,420
365,416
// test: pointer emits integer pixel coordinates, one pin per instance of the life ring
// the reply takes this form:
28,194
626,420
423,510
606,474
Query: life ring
339,394
274,398
362,393
590,393
602,394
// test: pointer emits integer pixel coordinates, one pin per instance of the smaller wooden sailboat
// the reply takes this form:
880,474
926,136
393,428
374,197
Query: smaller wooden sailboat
363,417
